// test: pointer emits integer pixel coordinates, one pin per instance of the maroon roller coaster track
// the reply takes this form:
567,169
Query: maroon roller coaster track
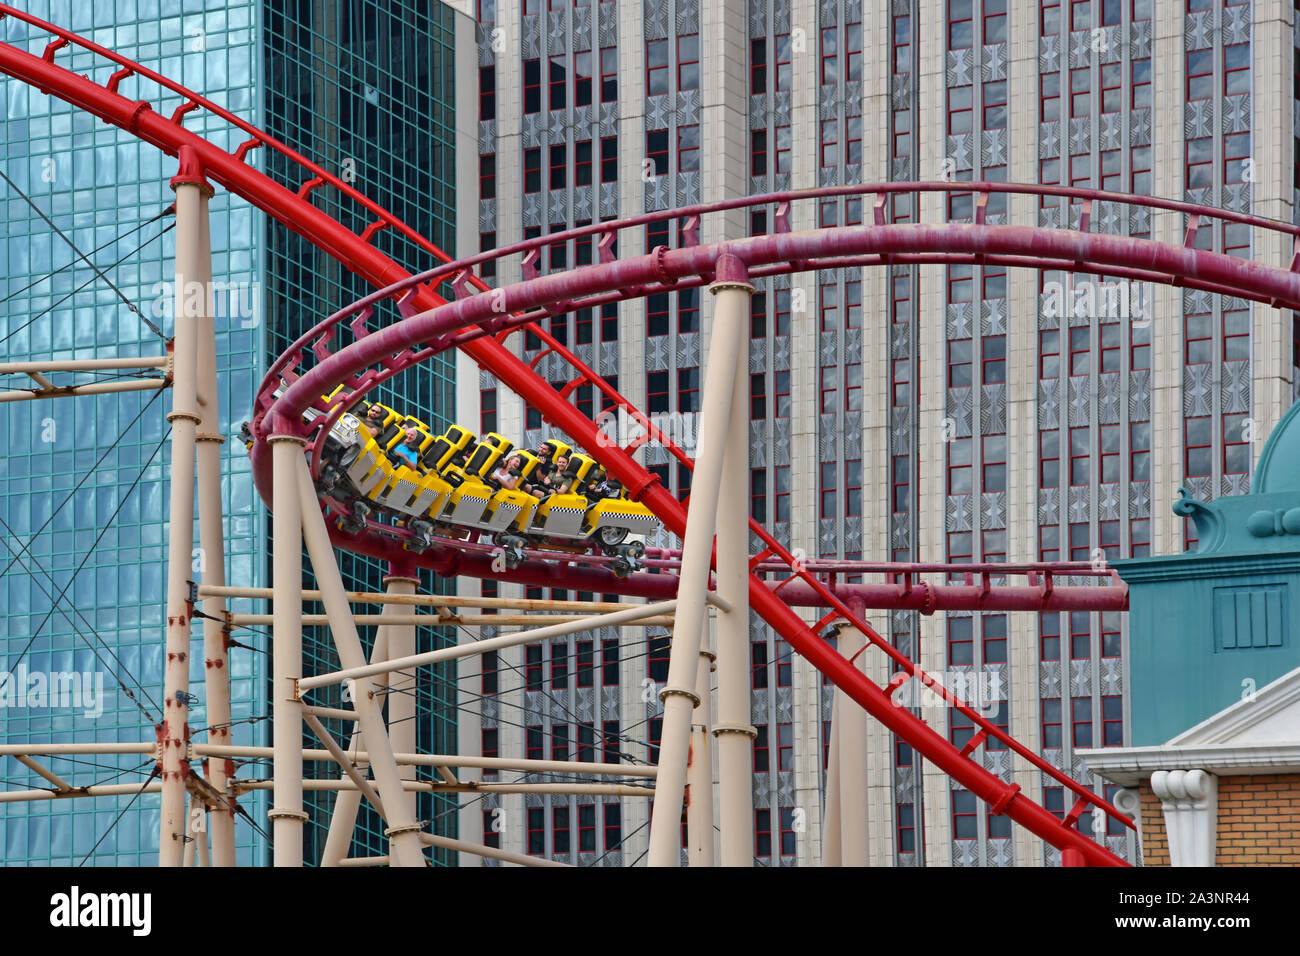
477,320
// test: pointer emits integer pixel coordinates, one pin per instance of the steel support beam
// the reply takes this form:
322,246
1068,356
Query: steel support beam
191,200
731,312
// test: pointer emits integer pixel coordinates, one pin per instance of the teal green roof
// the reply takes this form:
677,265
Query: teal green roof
1279,463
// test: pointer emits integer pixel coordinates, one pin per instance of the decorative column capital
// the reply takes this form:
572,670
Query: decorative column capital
1189,800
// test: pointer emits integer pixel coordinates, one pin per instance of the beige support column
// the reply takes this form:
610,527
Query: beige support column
678,696
201,837
191,198
343,819
187,858
851,735
212,564
734,732
699,770
403,830
287,815
832,846
401,702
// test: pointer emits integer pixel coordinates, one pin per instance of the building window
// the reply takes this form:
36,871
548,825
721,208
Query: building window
613,826
906,828
584,663
586,743
1081,722
1109,453
532,86
688,62
1199,438
959,363
559,79
536,831
1080,542
1140,70
609,741
657,665
560,665
487,176
559,168
995,638
1080,456
1051,710
758,397
560,742
582,78
1049,629
964,822
959,466
688,149
784,747
1111,637
758,152
609,662
586,828
533,667
758,66
758,662
1049,459
787,831
487,93
1236,444
994,466
995,103
783,149
1200,163
1049,543
582,172
783,59
1200,74
1049,97
656,60
688,389
488,667
762,760
609,159
656,150
609,75
853,488
1111,95
961,643
782,478
961,31
781,317
533,748
656,319
532,170
763,833
758,494
900,482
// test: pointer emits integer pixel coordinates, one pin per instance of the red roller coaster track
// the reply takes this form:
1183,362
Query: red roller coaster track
478,319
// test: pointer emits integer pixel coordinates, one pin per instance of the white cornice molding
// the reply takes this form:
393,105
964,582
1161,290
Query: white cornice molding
1190,802
1129,766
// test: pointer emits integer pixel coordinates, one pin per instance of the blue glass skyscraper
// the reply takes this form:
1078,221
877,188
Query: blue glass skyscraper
83,481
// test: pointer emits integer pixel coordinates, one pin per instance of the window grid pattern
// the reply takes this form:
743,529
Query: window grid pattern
100,183
1094,364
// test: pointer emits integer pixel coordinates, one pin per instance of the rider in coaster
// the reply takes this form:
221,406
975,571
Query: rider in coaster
374,420
409,449
554,481
508,476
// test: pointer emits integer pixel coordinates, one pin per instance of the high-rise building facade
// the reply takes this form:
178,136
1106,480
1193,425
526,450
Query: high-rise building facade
368,93
931,413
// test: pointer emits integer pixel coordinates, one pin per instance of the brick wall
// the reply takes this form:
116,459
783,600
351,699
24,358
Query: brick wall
1258,822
